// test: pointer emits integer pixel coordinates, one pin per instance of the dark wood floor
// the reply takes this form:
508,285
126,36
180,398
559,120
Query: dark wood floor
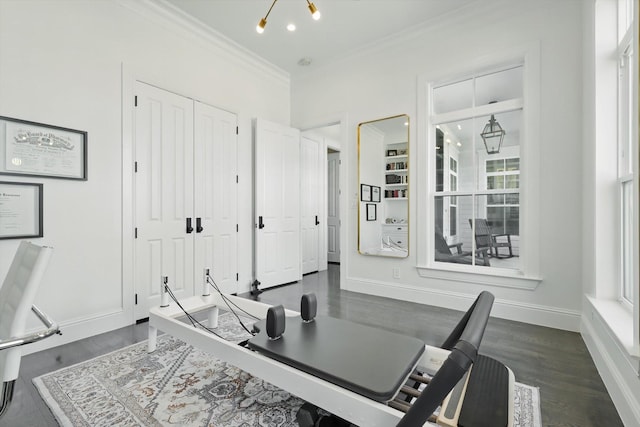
572,393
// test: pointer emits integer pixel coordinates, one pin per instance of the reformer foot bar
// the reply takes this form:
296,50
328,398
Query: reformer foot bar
358,373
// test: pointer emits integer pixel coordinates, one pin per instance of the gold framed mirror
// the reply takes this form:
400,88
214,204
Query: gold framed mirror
383,187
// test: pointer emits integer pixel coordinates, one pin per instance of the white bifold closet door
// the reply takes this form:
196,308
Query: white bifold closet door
216,199
185,196
164,195
277,204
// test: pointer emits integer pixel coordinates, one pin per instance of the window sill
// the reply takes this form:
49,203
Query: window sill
504,278
619,320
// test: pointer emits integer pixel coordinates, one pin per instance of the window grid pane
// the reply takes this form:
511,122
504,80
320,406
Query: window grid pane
498,232
627,242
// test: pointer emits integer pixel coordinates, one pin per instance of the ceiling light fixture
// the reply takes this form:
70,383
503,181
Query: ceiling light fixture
493,135
315,13
263,21
291,27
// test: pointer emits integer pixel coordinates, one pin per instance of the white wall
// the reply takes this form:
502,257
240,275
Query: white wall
61,63
381,81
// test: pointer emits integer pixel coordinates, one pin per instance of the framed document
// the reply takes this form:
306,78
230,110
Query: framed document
365,192
371,212
35,149
375,193
20,210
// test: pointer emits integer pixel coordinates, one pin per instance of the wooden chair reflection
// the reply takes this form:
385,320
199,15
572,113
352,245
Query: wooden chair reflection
486,239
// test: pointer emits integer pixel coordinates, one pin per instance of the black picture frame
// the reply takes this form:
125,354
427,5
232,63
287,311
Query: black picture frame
365,193
36,149
372,213
391,153
21,210
375,194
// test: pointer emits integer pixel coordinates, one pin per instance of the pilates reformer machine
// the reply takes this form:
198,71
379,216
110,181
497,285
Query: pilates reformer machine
362,375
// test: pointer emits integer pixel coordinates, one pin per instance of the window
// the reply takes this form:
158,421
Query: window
503,210
476,188
626,167
453,203
627,243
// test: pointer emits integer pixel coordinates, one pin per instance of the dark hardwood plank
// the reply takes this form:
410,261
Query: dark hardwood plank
571,391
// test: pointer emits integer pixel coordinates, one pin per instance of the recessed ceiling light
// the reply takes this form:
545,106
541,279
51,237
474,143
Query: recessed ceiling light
459,127
304,62
459,144
448,140
291,27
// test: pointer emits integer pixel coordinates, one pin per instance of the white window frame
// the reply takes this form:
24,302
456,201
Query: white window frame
621,322
528,277
628,162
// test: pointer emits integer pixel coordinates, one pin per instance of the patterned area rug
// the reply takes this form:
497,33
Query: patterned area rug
179,385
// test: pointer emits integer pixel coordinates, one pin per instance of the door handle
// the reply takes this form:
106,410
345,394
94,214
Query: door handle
260,223
189,227
199,225
317,222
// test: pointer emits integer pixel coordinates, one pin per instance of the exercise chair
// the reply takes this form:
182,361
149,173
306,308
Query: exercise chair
16,300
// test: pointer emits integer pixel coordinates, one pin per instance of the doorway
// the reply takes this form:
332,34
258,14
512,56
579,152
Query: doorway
328,139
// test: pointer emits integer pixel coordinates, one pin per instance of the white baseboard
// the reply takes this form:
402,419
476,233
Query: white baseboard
619,376
552,317
78,329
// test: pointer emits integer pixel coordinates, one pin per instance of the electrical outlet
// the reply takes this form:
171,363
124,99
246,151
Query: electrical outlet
396,273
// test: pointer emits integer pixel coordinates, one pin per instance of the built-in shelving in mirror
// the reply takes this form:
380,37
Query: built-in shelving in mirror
383,174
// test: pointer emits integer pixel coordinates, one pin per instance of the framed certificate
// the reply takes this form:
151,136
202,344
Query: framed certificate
20,210
365,192
371,212
375,193
35,149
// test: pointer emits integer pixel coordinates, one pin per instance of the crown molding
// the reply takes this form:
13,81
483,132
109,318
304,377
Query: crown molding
424,30
164,13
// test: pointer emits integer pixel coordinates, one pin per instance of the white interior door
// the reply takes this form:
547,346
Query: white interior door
310,203
164,195
277,204
216,204
333,207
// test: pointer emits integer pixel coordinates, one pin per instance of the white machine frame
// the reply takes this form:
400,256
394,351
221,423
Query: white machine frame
341,402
